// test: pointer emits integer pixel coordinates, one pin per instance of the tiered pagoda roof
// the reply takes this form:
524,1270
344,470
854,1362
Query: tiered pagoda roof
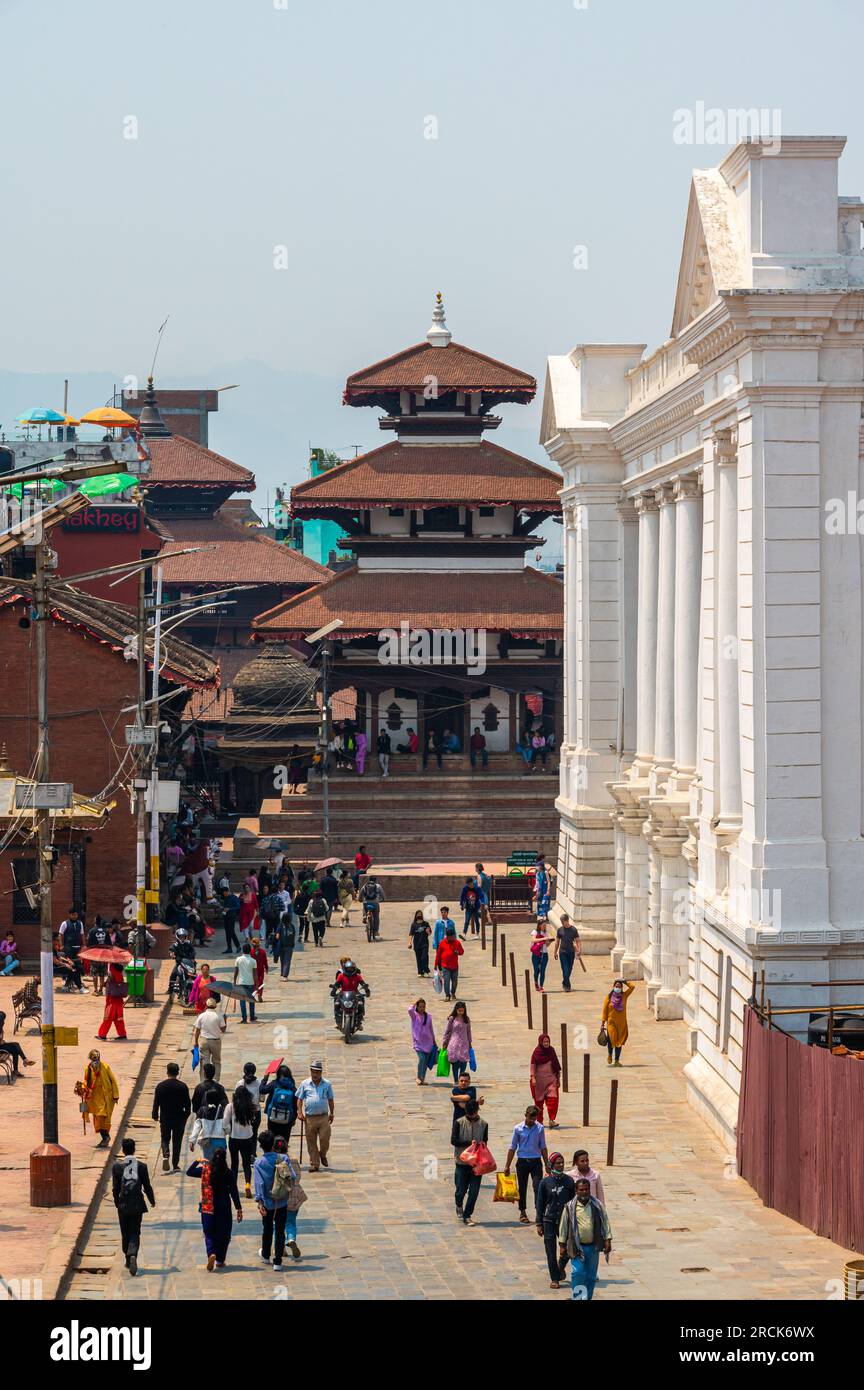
476,474
523,602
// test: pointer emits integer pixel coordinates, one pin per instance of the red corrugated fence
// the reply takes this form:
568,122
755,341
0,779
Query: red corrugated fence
801,1132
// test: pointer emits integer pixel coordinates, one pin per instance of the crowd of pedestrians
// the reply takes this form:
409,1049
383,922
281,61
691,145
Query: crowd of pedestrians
235,1143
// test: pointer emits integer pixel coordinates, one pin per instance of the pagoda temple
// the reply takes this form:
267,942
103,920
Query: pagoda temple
443,628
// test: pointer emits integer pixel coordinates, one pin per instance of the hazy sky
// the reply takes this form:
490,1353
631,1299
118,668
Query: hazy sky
304,127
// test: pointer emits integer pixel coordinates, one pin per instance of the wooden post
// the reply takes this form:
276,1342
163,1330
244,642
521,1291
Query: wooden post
503,959
545,1013
830,1037
494,941
762,989
565,1073
613,1115
483,931
586,1089
528,998
513,981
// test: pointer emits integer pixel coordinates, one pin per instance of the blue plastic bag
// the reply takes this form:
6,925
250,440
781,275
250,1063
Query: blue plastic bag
472,1060
196,1058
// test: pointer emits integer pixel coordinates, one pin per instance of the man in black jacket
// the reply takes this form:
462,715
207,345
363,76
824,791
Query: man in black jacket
207,1084
553,1194
467,1129
171,1107
130,1183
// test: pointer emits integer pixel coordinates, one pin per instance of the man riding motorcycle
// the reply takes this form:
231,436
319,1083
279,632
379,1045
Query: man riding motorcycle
183,974
349,981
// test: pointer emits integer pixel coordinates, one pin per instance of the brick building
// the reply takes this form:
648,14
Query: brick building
90,687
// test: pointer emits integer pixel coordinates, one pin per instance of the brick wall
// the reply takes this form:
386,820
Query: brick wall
88,684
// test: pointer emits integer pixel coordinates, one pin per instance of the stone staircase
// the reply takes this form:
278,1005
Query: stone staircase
417,816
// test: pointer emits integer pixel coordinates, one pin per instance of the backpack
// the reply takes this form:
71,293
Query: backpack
282,1105
283,1180
369,892
130,1182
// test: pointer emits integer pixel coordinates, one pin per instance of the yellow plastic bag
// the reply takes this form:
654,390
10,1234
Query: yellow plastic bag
505,1188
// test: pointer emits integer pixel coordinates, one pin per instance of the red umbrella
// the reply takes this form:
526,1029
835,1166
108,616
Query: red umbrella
106,955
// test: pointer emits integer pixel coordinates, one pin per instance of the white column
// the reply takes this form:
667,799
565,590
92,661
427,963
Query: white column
729,745
646,642
688,571
635,896
629,626
664,719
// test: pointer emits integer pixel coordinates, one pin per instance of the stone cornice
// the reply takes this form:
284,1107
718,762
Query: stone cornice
630,437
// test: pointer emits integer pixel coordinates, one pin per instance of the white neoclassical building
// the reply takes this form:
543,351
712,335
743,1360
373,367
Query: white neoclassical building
712,769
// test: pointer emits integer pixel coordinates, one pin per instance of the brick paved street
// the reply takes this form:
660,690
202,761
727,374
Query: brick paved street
381,1224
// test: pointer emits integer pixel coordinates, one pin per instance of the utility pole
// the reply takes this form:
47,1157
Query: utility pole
153,896
140,781
325,750
50,1164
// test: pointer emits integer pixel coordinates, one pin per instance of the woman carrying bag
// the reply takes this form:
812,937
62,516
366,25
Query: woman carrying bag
613,1029
423,1039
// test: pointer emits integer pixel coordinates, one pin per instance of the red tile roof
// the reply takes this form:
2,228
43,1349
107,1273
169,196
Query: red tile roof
234,554
180,462
455,368
431,475
522,601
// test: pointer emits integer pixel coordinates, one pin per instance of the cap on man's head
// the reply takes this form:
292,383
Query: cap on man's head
316,1066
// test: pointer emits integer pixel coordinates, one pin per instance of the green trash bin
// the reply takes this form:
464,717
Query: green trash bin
136,973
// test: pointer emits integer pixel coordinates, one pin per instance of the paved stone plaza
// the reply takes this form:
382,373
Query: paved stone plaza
381,1224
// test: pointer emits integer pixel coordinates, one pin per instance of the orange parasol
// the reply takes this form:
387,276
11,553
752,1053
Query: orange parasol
110,417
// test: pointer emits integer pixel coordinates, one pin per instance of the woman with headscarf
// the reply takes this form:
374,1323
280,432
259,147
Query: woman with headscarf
545,1076
99,1093
218,1194
360,755
615,1018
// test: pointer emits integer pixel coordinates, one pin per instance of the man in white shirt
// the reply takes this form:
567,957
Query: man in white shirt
208,1036
244,975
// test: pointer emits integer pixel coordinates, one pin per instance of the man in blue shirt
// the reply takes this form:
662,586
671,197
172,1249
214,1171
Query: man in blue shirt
315,1106
529,1147
443,922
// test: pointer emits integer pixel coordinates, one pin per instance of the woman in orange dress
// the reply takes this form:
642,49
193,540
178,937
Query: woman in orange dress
615,1018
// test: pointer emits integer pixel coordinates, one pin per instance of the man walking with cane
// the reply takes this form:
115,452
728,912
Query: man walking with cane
315,1110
